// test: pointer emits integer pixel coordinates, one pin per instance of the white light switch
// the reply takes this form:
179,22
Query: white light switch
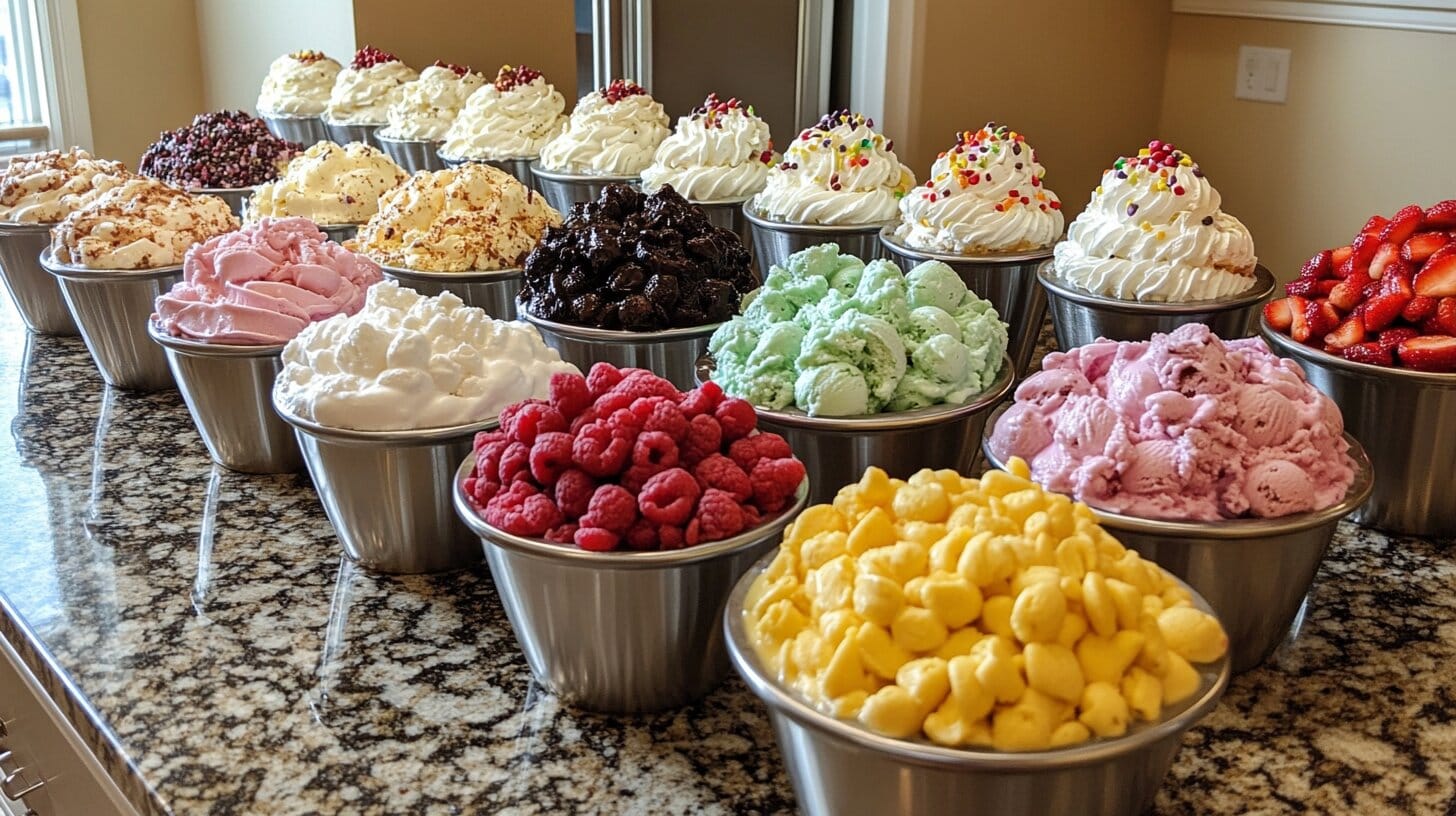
1263,74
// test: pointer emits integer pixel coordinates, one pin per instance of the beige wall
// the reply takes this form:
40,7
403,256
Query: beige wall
143,71
539,33
1367,127
240,39
1081,80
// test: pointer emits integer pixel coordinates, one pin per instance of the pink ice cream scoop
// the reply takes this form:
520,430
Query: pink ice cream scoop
262,284
1182,426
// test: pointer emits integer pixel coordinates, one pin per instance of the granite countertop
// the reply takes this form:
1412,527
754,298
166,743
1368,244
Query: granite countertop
202,631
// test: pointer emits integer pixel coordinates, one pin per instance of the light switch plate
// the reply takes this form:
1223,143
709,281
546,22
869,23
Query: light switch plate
1262,74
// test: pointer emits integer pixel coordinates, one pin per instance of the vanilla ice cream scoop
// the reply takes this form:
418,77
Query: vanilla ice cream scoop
613,131
510,118
424,109
46,187
838,172
363,92
330,185
720,151
298,84
139,224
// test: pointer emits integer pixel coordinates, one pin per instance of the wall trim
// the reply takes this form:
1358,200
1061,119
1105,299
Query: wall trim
1409,15
70,108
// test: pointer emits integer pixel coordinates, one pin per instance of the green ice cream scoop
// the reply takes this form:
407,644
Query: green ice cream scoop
933,283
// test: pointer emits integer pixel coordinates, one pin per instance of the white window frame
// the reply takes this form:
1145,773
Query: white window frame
55,47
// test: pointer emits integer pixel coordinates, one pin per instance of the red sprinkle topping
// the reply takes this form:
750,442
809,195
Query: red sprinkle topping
507,77
460,70
621,89
369,56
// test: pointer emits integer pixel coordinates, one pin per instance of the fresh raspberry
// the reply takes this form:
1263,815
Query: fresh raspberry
702,400
669,497
562,534
655,448
704,438
642,536
623,421
515,463
601,378
718,517
574,489
718,471
599,451
588,415
484,438
522,510
611,402
611,508
751,516
525,419
636,476
670,537
596,539
569,394
481,490
749,450
639,382
661,414
550,457
775,482
487,458
737,418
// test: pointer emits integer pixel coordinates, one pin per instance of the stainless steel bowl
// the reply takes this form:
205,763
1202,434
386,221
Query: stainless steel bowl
387,492
837,767
306,130
836,450
620,631
112,308
564,189
229,392
236,197
775,241
729,213
414,155
343,133
671,353
1079,317
1254,572
520,168
1407,421
494,291
1006,279
339,233
35,292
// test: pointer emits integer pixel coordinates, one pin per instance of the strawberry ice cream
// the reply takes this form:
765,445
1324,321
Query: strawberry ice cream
264,283
1184,426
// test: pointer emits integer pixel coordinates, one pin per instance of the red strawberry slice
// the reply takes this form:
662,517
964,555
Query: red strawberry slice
1423,245
1390,338
1370,290
1318,266
1419,308
1441,216
1303,287
1361,253
1446,315
1375,225
1369,353
1433,353
1379,312
1322,317
1348,293
1438,277
1278,315
1403,224
1299,327
1397,279
1384,254
1347,334
1339,255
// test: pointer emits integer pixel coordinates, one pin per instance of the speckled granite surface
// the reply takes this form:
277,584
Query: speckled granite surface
201,630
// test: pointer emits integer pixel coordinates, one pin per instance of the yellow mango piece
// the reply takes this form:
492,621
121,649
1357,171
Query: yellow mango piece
893,712
1103,710
927,679
945,553
832,585
1021,728
1127,601
877,599
848,706
1180,681
874,529
814,520
845,672
987,559
972,700
959,643
1070,733
782,621
1098,605
836,624
1036,616
996,615
1144,694
1106,659
879,652
999,483
953,599
1074,626
918,630
821,548
922,502
1053,670
1002,678
1192,634
944,725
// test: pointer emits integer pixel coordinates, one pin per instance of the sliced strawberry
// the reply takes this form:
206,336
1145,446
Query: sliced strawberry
1446,315
1403,224
1304,287
1441,216
1419,308
1299,327
1318,266
1379,312
1384,254
1434,353
1423,245
1346,334
1375,225
1278,315
1347,294
1397,279
1438,277
1370,290
1361,253
1339,255
1390,338
1322,317
1369,353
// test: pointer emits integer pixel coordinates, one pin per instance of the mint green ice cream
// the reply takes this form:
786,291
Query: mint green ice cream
834,336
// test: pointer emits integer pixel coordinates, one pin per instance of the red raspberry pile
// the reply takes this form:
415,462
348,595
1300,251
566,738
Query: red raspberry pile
621,89
508,77
222,149
369,56
620,459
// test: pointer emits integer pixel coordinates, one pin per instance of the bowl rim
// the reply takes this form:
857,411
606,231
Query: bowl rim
898,247
85,273
393,140
595,335
324,117
765,222
455,161
1224,529
222,192
205,348
891,421
350,436
780,700
22,227
616,559
467,276
1303,353
537,169
1264,286
262,114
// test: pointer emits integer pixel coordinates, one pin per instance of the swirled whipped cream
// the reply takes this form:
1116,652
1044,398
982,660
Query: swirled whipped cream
612,132
424,109
329,185
840,171
1154,231
364,91
406,361
511,118
42,188
141,223
298,84
985,194
721,150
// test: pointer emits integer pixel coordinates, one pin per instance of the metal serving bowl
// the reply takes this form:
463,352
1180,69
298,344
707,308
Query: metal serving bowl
564,189
620,631
341,133
493,291
1079,316
520,168
836,450
35,292
306,130
1407,420
339,233
387,492
1255,572
229,392
775,241
838,767
728,213
414,155
670,353
1006,279
236,197
112,308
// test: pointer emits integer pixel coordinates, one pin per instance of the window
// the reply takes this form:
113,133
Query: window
42,92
